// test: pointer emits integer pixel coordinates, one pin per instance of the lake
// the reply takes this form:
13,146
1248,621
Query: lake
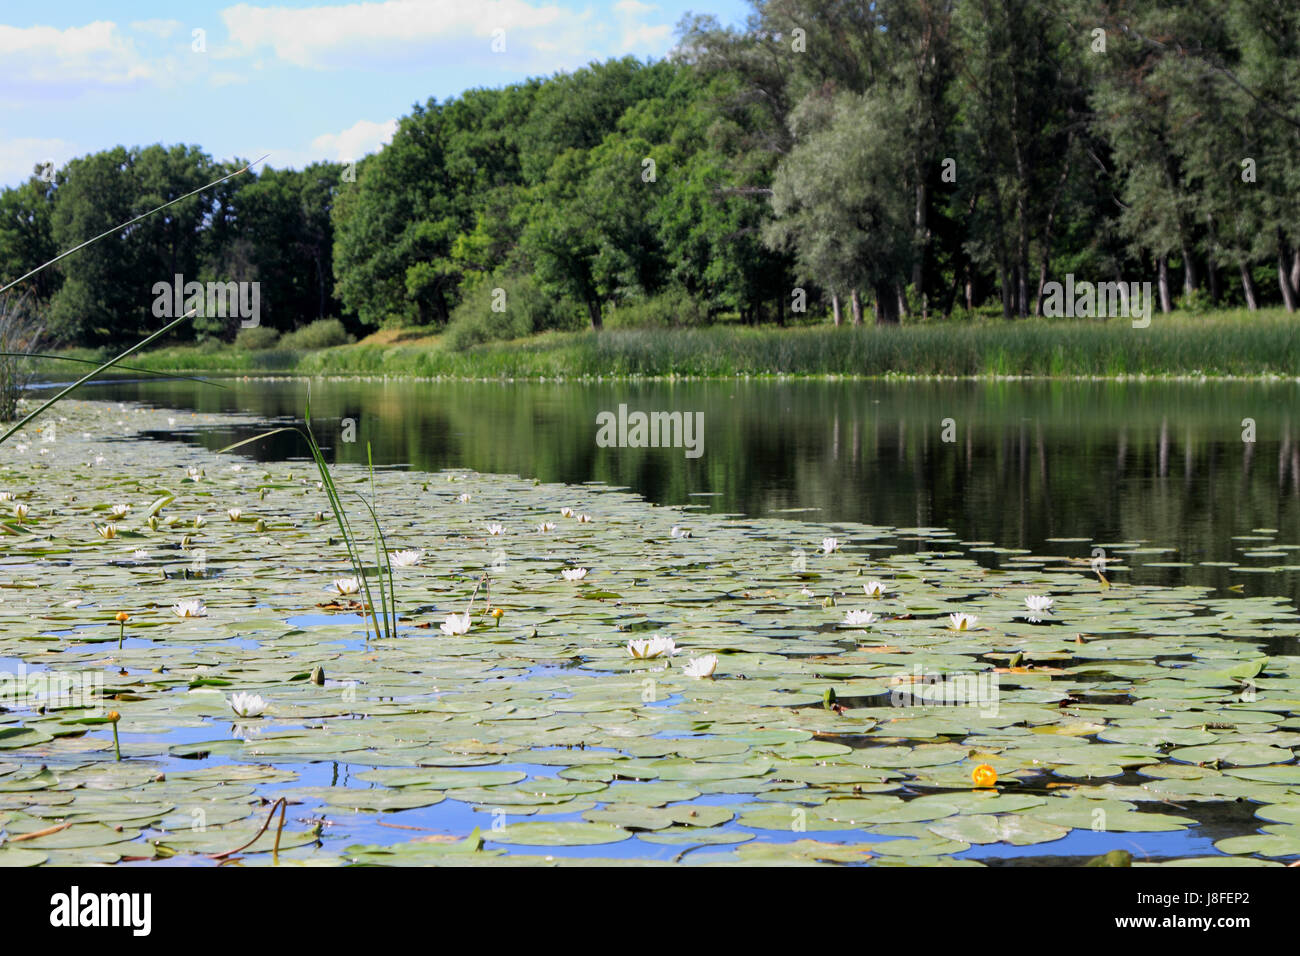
1163,465
826,708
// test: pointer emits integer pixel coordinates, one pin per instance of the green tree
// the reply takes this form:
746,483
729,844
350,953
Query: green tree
837,201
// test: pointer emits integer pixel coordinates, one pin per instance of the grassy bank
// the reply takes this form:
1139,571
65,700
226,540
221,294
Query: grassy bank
1221,344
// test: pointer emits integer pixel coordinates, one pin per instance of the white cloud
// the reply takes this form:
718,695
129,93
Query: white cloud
18,157
642,37
357,140
401,34
162,29
638,36
43,60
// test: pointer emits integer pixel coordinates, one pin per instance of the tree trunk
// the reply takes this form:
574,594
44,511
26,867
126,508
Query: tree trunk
1283,277
952,293
1005,288
835,307
1248,286
856,302
1211,266
593,312
1051,221
1162,264
1295,269
1042,281
919,224
886,304
1190,281
1022,275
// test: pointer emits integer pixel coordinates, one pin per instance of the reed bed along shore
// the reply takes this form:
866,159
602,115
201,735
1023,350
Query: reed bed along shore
1224,345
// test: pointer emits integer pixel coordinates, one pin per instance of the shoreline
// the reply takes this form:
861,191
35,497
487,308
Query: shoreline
184,374
1224,346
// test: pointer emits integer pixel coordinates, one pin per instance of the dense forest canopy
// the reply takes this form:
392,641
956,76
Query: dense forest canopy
902,158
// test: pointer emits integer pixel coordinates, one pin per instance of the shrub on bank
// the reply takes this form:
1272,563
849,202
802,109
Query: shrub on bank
257,339
321,334
674,308
507,308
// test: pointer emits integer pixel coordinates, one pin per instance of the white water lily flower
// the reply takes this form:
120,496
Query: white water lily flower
546,527
701,666
962,622
107,531
119,511
1038,605
680,532
858,618
652,647
805,591
574,574
830,545
406,559
234,513
465,497
20,511
247,705
584,519
193,473
140,555
566,512
6,496
200,521
189,609
347,585
495,529
875,589
455,624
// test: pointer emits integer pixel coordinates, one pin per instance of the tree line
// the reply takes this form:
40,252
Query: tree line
916,158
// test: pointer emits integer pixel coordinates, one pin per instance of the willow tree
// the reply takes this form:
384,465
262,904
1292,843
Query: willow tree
837,201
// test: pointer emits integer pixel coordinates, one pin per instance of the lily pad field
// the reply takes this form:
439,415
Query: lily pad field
577,674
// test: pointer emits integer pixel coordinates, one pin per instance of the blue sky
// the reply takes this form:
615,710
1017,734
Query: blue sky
300,80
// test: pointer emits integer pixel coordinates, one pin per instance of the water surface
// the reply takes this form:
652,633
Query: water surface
1164,464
